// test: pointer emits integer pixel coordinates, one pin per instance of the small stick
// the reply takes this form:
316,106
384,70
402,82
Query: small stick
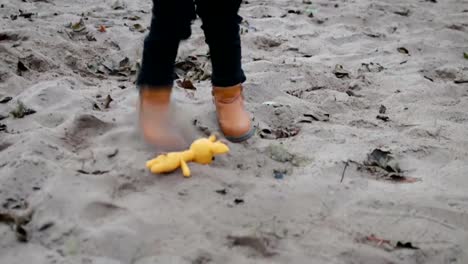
344,171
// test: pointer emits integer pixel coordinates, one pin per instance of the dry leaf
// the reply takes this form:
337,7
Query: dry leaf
384,160
407,245
387,244
280,132
204,129
46,226
460,81
238,201
21,234
113,154
133,18
192,68
403,50
352,93
138,27
297,12
221,191
26,15
6,99
382,109
309,118
96,107
108,101
18,220
124,63
371,67
402,179
383,118
118,5
340,72
428,78
90,37
79,26
22,111
403,12
21,68
186,84
299,93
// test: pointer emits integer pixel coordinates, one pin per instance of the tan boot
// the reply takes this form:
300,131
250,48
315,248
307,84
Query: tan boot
155,121
233,119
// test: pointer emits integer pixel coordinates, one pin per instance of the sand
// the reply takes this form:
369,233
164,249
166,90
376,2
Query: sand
78,166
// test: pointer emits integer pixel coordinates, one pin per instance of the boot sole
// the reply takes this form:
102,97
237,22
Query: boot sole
242,138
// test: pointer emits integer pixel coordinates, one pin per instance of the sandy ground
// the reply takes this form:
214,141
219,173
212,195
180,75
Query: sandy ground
72,176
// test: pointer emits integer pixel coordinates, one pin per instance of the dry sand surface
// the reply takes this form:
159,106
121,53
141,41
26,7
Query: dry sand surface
73,187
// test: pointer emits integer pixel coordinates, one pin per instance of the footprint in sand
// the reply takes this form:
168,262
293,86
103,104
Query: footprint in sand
83,129
99,211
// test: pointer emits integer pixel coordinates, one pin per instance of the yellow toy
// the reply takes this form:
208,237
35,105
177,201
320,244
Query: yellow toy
201,151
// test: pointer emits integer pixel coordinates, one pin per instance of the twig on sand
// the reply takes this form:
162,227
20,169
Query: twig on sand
344,171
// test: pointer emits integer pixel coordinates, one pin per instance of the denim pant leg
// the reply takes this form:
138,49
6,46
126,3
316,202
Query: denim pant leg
222,34
171,21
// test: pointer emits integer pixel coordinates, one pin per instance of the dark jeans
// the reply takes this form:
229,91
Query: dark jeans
171,23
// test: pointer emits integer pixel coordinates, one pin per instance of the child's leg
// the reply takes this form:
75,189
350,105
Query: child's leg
221,26
170,23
